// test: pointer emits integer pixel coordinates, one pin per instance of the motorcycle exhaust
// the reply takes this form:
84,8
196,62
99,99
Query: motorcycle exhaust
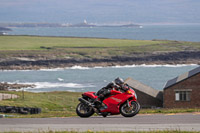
85,101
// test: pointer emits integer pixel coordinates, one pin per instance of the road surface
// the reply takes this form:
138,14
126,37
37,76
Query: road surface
184,122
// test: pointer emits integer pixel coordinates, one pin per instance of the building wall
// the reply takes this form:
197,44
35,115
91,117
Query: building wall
192,84
147,101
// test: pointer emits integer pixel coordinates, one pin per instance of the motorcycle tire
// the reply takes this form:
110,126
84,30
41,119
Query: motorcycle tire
104,114
89,110
35,110
124,107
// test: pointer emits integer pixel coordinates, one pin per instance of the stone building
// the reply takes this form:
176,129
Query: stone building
147,96
183,91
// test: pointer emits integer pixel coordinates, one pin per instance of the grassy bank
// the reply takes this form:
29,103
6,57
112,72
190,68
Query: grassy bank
62,47
53,104
63,104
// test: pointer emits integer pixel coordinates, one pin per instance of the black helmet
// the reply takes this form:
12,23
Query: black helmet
119,81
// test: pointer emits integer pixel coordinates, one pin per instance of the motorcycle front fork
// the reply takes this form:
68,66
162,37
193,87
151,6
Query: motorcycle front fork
128,103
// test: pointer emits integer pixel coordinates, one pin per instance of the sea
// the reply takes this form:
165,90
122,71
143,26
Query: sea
187,32
82,79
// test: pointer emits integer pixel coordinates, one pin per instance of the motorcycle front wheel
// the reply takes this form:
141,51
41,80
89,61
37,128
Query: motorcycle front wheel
130,111
84,110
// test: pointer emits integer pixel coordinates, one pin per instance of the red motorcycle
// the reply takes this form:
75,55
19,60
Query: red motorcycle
123,102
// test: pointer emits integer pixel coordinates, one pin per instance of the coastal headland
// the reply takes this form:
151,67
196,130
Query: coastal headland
43,52
82,24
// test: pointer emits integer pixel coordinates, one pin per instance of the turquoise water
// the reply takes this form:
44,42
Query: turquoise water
81,79
147,32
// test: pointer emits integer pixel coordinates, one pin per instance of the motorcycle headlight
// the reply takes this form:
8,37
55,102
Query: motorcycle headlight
129,92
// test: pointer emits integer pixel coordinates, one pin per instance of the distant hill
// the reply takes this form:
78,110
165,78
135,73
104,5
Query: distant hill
30,25
84,24
123,25
5,29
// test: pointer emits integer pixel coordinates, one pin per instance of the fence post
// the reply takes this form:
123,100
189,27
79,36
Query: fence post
23,94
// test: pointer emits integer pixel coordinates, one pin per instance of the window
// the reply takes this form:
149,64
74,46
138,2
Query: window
182,95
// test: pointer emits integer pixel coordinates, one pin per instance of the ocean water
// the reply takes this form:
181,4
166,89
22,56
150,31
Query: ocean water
147,32
82,79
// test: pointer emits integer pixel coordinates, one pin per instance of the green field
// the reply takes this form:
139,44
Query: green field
62,47
63,104
34,42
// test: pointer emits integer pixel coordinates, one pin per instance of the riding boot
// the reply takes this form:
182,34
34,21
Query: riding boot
98,101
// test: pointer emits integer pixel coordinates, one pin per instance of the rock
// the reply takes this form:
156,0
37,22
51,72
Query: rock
5,86
182,57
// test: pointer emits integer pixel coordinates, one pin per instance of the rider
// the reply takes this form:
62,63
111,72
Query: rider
111,89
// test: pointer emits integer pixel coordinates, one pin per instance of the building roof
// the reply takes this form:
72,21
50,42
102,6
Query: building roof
144,88
182,77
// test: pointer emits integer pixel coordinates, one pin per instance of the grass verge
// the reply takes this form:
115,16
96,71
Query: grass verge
63,104
53,104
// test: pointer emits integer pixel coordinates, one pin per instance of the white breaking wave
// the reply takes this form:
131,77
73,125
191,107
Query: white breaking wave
169,65
144,65
53,69
79,67
61,69
15,70
100,67
39,85
60,79
130,66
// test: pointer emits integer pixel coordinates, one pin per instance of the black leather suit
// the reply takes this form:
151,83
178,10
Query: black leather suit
106,91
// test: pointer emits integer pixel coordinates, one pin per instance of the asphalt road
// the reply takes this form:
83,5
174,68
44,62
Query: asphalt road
184,122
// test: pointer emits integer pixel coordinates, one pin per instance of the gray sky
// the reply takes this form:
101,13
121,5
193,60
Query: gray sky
100,11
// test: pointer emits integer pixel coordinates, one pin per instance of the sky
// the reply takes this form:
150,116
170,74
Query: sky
100,11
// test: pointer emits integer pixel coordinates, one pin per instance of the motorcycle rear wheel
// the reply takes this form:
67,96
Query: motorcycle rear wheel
131,111
84,110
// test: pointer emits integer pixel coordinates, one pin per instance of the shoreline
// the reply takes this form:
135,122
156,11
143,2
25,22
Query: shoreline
92,63
96,67
60,64
5,86
33,53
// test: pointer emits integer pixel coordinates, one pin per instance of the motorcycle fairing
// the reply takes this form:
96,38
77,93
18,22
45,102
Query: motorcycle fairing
90,94
115,101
